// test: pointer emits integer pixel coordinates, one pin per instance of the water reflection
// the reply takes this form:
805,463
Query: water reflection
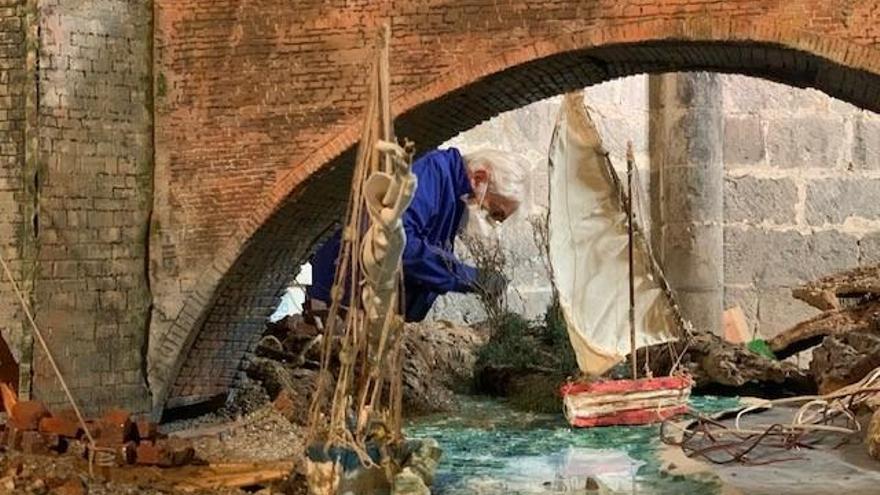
490,449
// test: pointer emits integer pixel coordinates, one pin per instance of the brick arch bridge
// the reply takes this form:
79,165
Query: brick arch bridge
258,105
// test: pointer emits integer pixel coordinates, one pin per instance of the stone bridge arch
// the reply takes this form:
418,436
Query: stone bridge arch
284,155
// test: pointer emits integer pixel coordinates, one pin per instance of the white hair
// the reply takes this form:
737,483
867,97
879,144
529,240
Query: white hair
508,172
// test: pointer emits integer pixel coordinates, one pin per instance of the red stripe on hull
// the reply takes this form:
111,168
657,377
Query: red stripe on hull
629,418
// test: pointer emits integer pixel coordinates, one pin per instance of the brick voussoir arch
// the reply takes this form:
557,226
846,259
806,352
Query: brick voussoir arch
844,53
724,44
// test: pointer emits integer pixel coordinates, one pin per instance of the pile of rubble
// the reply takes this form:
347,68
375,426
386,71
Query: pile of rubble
438,362
118,439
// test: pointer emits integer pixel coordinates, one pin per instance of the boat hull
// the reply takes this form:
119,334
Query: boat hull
626,402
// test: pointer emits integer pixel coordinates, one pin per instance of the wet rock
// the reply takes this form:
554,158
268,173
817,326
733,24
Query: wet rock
407,482
424,460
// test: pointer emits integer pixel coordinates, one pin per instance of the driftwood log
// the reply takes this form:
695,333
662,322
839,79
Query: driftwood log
861,318
850,301
829,293
844,359
718,365
226,476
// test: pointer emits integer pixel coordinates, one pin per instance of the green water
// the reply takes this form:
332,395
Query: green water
490,449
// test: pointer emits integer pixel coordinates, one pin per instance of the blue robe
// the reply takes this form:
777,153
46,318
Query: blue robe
429,266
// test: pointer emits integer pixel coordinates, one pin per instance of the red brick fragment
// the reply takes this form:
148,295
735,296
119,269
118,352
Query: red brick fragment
73,486
32,442
147,430
152,454
284,403
115,428
26,415
60,426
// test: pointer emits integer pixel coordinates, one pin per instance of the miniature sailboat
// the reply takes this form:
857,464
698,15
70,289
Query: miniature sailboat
599,258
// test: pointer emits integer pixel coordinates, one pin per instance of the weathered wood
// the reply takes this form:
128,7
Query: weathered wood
826,293
845,359
216,476
810,333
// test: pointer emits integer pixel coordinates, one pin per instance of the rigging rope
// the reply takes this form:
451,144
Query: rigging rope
52,363
369,268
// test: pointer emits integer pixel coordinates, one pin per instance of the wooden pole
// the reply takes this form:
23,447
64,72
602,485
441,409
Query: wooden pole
385,93
629,230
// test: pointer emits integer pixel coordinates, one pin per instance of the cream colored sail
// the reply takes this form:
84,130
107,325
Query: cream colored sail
588,250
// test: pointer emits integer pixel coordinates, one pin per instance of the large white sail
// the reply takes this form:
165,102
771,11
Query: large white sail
588,250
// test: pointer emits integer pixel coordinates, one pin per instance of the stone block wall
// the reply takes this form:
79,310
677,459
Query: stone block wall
802,183
94,184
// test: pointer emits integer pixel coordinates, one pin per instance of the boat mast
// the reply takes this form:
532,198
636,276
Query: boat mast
630,159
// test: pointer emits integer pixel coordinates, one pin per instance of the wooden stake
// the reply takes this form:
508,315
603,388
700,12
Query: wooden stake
630,159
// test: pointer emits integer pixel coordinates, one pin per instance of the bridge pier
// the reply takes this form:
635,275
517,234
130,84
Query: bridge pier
687,174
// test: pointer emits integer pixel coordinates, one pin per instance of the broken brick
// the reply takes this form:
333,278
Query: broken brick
26,415
115,428
60,426
32,442
73,486
147,430
150,453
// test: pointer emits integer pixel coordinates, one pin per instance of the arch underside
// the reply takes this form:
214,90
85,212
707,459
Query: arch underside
235,318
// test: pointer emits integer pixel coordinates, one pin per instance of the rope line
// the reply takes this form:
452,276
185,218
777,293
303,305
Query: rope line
52,361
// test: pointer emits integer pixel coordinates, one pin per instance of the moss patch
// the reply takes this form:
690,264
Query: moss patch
526,361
